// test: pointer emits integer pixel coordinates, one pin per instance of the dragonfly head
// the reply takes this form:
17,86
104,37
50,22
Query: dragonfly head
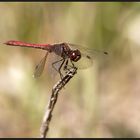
75,55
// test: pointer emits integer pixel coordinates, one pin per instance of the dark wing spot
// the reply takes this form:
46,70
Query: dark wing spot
88,57
105,52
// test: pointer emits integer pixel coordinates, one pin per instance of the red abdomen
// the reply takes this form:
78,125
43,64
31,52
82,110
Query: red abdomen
23,44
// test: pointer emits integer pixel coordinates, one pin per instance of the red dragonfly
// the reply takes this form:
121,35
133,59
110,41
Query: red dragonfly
64,50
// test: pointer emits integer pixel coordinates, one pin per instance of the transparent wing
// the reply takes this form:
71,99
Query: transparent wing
88,51
40,67
88,55
85,62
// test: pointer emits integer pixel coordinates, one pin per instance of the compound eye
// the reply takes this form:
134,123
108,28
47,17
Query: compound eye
76,55
73,55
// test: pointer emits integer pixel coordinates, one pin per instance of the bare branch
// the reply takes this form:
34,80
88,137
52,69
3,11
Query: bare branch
55,91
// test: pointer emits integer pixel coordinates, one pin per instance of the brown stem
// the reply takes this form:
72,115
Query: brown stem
57,87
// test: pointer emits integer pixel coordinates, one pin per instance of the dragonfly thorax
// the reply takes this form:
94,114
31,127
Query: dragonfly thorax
67,52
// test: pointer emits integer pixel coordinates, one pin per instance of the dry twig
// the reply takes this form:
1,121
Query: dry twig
57,87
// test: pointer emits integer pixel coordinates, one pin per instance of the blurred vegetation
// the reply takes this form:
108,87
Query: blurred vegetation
101,101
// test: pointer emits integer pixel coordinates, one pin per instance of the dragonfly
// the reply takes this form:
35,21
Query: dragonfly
70,55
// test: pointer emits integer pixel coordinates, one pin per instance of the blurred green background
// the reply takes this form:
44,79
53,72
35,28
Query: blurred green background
101,101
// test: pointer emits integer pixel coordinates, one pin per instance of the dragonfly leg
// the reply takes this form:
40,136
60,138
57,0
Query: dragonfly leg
72,63
68,67
59,70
